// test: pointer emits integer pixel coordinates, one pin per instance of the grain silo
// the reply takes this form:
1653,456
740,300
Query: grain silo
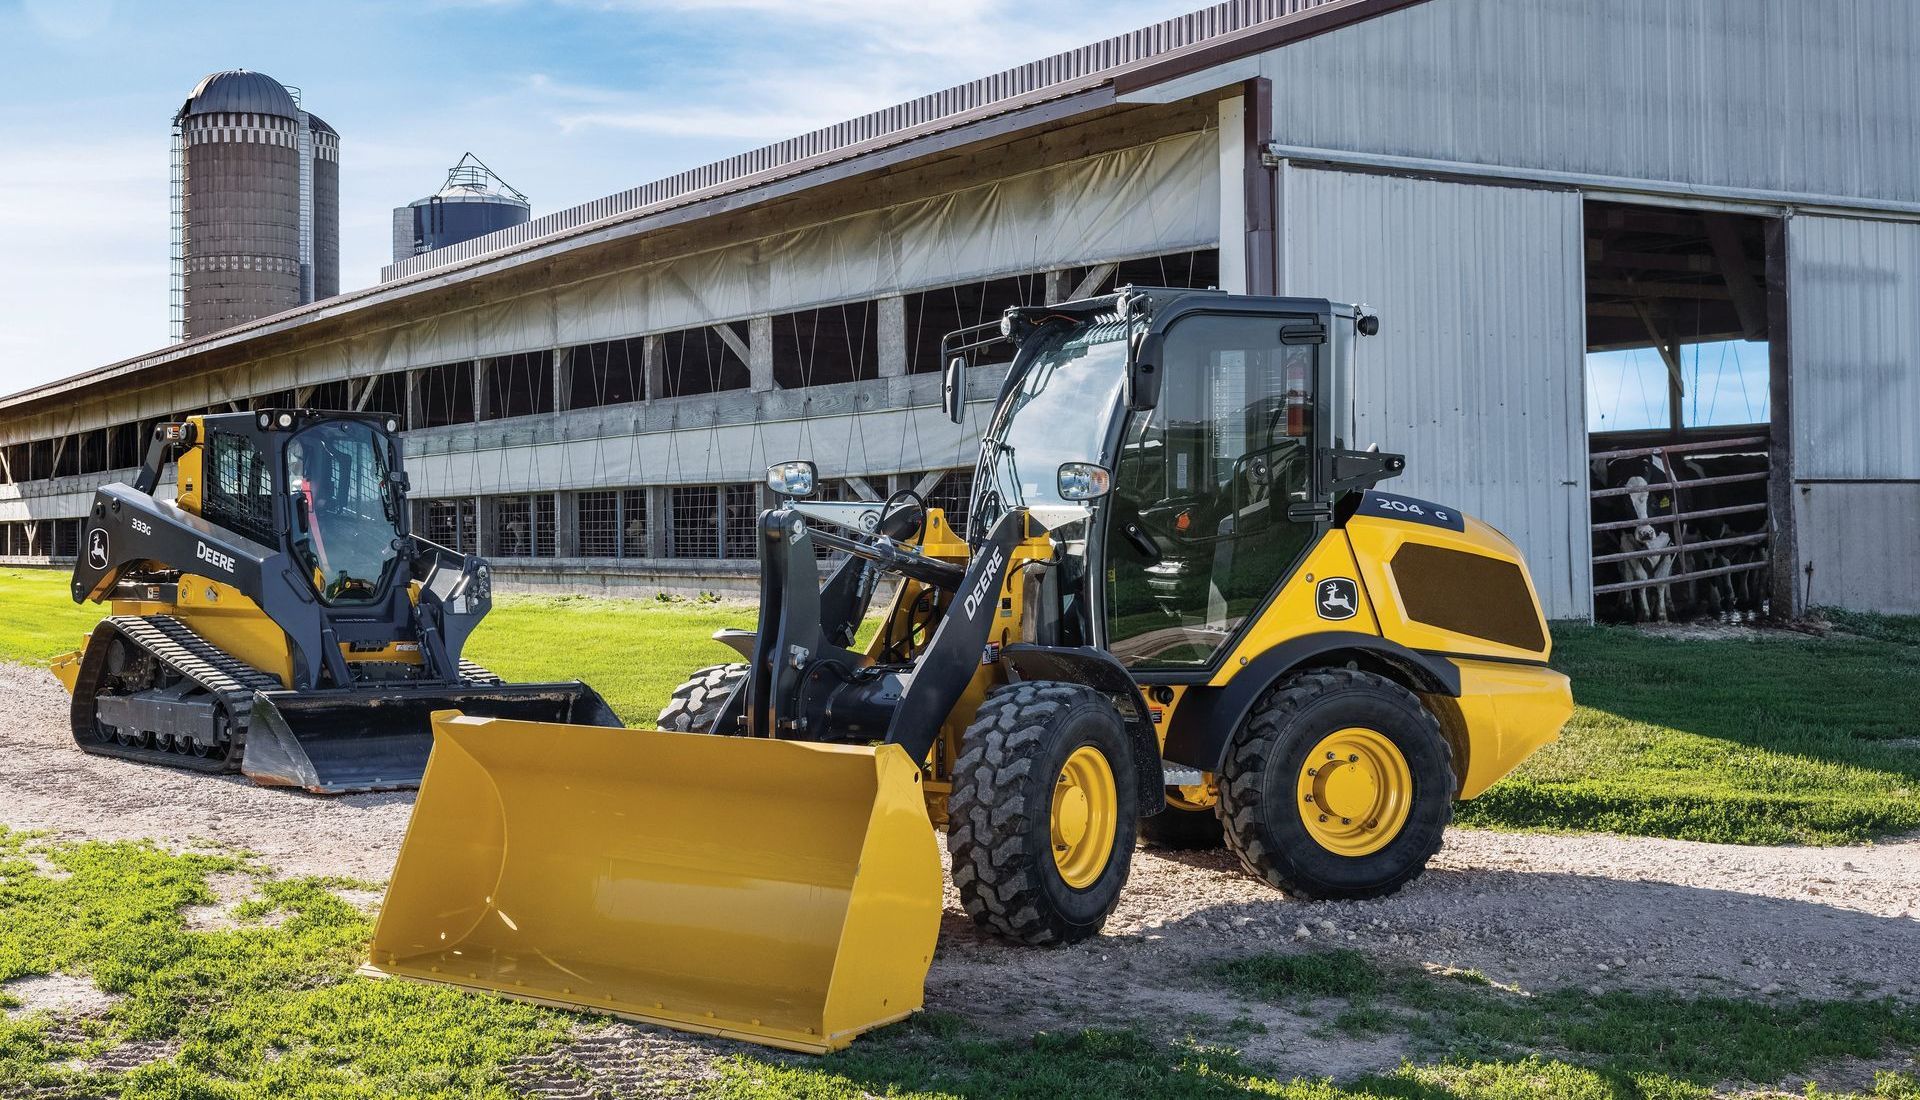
325,173
255,205
473,202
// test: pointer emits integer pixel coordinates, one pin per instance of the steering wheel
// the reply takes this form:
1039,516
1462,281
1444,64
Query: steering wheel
906,522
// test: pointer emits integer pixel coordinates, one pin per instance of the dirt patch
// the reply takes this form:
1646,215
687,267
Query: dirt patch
51,785
61,995
1530,912
230,888
623,1060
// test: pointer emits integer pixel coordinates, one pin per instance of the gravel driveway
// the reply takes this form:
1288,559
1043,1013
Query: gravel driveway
1531,911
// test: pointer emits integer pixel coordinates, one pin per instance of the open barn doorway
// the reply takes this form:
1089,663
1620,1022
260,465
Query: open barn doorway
1682,320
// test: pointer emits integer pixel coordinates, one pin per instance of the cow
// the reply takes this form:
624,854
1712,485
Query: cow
1650,499
1735,596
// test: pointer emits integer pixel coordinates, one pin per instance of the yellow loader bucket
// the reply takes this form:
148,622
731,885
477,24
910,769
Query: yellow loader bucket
783,892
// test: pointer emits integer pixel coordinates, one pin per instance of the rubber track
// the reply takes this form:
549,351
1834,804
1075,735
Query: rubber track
176,646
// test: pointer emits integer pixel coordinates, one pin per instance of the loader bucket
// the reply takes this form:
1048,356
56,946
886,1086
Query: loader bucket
377,738
781,892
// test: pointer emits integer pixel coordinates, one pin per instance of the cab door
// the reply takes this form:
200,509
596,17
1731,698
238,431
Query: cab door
1212,506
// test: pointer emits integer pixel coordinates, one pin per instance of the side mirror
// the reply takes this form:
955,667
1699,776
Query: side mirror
792,479
1084,481
953,389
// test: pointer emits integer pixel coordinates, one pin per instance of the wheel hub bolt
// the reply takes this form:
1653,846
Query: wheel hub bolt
1323,817
1313,771
1309,798
1346,821
1330,756
1353,758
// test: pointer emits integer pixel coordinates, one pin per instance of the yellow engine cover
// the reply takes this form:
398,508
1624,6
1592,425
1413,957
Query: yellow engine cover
783,892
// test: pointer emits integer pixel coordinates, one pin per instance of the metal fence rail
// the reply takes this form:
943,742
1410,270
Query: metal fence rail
1680,550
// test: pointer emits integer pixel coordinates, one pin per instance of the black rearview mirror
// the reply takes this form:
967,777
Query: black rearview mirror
953,389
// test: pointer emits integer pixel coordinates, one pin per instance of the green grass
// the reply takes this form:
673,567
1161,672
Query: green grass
1770,739
1471,1041
38,619
633,652
272,1008
1273,977
266,1009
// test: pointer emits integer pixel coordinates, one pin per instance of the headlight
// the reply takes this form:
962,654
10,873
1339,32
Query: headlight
1084,481
792,479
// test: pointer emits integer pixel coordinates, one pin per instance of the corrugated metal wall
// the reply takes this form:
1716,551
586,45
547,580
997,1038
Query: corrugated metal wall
1811,96
1477,374
1854,298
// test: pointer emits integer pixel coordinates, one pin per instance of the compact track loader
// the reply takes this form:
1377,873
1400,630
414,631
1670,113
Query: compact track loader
278,618
1180,608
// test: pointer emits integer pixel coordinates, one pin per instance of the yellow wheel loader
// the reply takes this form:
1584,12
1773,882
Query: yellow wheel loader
278,618
1179,599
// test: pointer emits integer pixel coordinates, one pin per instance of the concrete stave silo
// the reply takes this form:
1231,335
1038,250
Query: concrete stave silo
256,204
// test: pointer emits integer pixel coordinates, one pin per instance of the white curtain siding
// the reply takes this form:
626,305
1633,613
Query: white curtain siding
1160,197
1477,374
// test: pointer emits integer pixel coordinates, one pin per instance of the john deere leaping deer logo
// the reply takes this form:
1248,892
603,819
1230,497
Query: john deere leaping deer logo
1338,598
97,548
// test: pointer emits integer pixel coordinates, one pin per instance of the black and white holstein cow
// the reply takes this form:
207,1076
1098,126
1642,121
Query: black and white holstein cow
1650,498
1740,595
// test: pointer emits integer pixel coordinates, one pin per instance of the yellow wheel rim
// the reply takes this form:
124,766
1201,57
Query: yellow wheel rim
1086,807
1355,792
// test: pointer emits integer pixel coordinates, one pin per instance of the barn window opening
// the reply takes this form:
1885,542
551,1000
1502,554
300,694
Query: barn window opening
93,451
825,346
612,372
125,446
454,523
612,523
931,314
518,385
704,360
336,396
523,526
1196,269
66,456
695,530
388,396
445,395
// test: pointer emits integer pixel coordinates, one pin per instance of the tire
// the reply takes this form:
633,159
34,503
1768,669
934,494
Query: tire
696,704
1266,771
1000,815
1180,829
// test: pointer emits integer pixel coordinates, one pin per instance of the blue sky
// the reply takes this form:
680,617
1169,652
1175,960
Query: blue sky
1725,383
568,101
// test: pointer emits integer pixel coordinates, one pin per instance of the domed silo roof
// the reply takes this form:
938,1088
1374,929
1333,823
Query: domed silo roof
240,90
319,125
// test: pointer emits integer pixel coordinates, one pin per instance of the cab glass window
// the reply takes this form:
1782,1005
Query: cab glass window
1198,535
345,514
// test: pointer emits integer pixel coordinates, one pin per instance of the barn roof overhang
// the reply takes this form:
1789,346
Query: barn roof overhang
1095,92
